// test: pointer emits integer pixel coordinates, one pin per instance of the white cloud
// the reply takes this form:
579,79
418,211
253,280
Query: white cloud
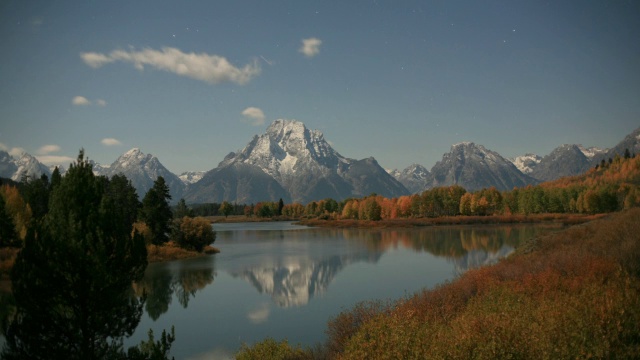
4,147
95,60
212,69
310,47
48,149
17,152
255,115
80,101
55,159
101,102
110,142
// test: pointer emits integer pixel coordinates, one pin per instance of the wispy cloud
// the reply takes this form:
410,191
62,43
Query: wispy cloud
254,115
310,47
212,69
47,149
80,101
55,159
17,152
110,142
83,101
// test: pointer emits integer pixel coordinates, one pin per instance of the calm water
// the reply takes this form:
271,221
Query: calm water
286,281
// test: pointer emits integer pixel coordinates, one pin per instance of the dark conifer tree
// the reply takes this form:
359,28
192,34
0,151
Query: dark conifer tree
72,280
35,192
156,212
8,235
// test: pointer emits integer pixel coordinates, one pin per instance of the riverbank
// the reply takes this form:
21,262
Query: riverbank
167,252
566,219
573,293
171,252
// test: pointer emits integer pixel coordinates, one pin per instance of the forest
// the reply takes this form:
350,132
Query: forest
609,187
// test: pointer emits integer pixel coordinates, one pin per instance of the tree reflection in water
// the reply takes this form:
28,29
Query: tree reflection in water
161,281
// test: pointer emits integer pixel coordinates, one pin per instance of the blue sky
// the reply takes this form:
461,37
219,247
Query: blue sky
190,81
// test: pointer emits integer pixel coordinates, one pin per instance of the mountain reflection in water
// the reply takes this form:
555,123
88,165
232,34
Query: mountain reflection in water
293,266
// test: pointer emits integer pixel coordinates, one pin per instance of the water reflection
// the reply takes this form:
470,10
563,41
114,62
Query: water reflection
182,278
293,265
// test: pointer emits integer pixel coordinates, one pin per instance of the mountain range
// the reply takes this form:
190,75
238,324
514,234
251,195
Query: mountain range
293,163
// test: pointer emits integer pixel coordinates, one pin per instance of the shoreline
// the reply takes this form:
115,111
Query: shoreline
565,219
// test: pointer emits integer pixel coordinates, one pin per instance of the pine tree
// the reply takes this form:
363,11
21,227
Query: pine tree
156,212
72,280
8,235
181,210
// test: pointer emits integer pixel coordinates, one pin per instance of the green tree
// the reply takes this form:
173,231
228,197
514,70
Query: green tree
226,209
8,234
156,212
72,280
193,233
35,192
181,210
280,206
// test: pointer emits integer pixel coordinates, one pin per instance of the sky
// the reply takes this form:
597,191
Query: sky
191,81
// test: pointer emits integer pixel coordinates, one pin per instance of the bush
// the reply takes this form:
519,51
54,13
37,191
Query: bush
272,349
193,233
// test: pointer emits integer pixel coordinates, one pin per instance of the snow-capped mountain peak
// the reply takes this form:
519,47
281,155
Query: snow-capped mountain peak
526,163
592,151
285,147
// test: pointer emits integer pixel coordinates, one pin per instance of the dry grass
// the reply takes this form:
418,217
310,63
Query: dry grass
576,295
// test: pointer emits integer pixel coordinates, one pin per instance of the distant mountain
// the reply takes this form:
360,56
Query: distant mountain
142,170
28,165
475,167
416,178
302,164
237,182
8,165
630,142
565,160
191,177
526,163
591,152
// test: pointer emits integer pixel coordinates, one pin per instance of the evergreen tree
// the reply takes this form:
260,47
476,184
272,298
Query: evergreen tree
8,234
156,212
56,178
72,280
280,206
181,210
35,192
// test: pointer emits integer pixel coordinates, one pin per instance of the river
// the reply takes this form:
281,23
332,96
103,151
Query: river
285,281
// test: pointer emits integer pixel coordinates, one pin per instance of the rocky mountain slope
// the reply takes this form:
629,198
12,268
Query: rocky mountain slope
565,160
475,167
